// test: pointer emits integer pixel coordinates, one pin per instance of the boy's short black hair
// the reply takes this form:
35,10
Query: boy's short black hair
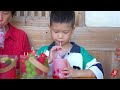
62,17
13,12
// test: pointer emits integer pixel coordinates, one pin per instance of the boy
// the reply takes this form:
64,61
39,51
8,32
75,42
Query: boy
80,62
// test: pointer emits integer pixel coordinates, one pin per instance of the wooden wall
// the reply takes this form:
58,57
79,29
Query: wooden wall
99,41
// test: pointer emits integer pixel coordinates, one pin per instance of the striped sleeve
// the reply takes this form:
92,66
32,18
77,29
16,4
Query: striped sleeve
89,62
42,49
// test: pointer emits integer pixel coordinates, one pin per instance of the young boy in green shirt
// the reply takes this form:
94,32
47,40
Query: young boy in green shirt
80,62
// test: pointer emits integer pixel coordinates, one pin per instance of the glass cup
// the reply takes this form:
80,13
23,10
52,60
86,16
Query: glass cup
30,70
8,66
58,65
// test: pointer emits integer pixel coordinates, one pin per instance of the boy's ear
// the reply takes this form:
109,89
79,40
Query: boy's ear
74,27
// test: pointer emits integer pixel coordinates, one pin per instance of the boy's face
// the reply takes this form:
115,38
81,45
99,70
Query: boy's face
61,32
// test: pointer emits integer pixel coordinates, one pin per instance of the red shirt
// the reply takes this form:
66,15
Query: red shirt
16,42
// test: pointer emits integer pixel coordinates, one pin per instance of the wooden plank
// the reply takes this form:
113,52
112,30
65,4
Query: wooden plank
44,16
32,13
39,13
18,13
47,14
77,18
104,57
92,40
25,13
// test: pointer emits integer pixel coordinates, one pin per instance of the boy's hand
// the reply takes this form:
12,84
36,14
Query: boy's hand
53,53
69,71
117,53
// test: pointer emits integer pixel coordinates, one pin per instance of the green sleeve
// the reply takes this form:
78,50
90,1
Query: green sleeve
42,49
86,57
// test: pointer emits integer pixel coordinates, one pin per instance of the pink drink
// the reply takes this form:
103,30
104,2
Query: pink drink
58,65
23,58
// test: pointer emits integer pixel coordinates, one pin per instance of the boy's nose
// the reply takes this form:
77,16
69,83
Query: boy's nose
60,36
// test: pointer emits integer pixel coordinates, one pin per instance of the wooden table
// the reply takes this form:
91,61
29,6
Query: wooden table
85,78
50,77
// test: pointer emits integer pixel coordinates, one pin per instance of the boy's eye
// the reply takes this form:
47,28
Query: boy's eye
56,31
65,32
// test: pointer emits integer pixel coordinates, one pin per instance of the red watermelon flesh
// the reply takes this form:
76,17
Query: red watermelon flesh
11,74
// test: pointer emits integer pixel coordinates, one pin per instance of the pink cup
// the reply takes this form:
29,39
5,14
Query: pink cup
58,65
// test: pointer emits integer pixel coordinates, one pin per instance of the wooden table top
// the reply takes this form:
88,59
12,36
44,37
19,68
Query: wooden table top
50,77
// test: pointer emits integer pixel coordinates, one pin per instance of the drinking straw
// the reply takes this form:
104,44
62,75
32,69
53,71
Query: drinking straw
60,50
60,43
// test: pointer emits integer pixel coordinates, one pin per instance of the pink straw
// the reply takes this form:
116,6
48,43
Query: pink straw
60,43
